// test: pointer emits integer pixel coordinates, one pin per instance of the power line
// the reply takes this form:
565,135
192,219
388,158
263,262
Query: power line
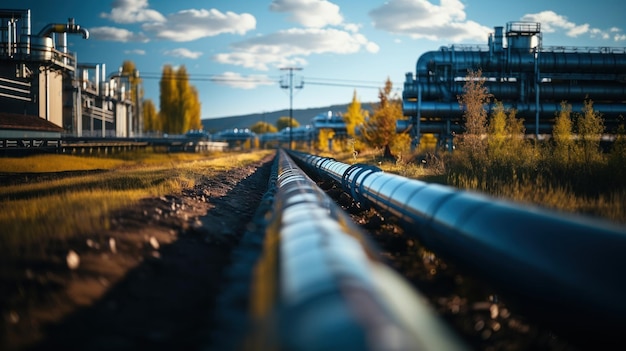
336,82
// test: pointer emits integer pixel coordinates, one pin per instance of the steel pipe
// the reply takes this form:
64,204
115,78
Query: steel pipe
333,291
565,269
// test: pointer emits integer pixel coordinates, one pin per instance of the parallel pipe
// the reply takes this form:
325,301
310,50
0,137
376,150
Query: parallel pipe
566,270
522,61
334,292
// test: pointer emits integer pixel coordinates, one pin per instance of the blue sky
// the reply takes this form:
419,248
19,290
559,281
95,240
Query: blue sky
234,50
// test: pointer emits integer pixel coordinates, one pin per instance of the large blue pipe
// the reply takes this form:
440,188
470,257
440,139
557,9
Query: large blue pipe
566,269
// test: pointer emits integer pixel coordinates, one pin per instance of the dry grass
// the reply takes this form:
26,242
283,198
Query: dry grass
64,206
531,187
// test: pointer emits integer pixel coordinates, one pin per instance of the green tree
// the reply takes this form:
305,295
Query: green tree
380,129
263,127
283,122
151,121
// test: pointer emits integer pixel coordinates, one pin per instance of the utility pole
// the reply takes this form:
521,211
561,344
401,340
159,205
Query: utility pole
290,86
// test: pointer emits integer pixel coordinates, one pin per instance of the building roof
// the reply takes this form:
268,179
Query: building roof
16,121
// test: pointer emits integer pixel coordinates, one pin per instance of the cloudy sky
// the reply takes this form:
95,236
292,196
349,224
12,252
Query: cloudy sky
236,52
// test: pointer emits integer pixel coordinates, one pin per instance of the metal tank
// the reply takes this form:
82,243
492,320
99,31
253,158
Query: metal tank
520,73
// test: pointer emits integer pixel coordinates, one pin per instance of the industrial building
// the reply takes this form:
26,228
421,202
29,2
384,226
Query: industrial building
519,72
39,77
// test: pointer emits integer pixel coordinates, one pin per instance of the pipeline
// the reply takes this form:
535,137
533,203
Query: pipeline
333,293
563,269
70,27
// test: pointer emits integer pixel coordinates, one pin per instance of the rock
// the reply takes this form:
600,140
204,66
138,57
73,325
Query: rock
154,243
72,259
112,245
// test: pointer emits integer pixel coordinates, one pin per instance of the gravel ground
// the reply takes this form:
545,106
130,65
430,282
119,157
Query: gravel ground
148,283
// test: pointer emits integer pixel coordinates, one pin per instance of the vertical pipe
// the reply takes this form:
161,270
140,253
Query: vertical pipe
536,93
419,115
9,54
64,47
291,108
47,106
97,82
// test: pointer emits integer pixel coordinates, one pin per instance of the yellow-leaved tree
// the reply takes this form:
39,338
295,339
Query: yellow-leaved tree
180,105
263,127
151,121
379,130
473,100
354,118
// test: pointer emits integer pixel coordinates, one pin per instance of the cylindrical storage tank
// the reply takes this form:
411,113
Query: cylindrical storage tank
520,43
41,48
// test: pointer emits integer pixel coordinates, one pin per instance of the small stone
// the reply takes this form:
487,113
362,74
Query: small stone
112,245
14,317
73,260
154,243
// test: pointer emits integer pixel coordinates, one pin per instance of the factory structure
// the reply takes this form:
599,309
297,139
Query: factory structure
45,92
519,72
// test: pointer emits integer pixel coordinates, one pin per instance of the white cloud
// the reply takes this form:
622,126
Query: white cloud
188,25
352,27
552,22
132,11
288,47
421,19
135,52
184,53
309,13
116,34
236,80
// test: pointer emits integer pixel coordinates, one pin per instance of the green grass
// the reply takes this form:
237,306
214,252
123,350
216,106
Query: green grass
68,205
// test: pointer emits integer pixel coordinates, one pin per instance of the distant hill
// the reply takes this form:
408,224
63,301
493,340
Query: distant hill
303,116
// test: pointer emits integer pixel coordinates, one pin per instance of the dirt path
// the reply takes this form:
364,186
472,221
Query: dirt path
150,282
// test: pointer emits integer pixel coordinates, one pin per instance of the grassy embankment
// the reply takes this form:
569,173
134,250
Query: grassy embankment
51,205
